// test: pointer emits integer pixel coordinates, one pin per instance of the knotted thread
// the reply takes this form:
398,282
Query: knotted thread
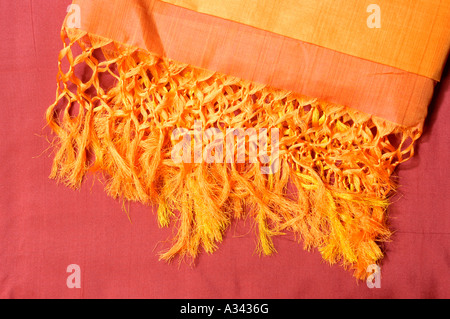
339,160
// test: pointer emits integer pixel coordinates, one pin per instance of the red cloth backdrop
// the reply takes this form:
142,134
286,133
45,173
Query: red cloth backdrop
44,227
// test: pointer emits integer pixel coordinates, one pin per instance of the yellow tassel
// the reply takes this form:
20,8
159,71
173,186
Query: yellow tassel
339,160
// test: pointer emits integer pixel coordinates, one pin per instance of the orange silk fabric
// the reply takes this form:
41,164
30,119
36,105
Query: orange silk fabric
413,35
253,54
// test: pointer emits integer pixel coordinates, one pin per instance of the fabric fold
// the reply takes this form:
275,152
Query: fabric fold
215,121
412,36
232,48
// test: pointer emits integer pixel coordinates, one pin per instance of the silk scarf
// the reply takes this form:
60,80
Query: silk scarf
294,114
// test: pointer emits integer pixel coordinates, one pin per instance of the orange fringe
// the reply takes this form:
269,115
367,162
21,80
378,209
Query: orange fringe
339,160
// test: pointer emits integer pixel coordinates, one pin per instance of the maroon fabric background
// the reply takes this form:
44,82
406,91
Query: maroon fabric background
44,227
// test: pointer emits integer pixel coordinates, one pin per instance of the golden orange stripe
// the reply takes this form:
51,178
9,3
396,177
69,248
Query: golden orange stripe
236,49
414,35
